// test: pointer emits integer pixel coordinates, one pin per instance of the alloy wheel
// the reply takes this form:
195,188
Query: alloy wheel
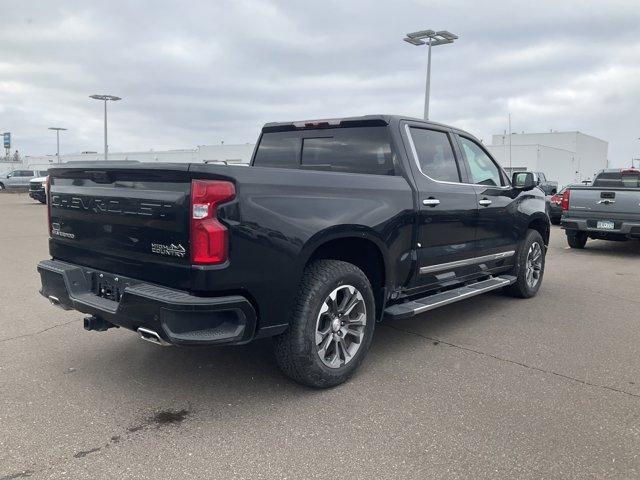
534,265
340,326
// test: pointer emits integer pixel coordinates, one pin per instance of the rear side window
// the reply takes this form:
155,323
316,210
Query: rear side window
351,150
617,180
435,155
27,173
278,149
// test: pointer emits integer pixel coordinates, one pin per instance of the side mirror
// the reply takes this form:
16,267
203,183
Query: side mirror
523,180
8,175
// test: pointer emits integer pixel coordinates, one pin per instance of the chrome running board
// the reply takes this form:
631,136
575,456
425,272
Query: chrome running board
421,305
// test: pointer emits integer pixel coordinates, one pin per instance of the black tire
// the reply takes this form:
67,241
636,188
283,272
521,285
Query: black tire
577,239
43,201
2,186
296,351
555,220
521,288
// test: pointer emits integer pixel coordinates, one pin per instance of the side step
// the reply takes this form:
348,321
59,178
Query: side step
421,305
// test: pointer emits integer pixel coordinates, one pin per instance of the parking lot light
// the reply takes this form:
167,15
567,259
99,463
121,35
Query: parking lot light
105,98
433,39
57,129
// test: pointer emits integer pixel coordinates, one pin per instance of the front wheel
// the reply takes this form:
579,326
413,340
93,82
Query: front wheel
529,268
331,326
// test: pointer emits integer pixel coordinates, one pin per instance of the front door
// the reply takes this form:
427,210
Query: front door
447,208
496,233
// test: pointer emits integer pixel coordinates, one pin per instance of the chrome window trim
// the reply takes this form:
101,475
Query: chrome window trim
468,261
414,152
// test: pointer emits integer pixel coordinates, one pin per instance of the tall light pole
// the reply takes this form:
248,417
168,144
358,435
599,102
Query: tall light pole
57,129
433,39
105,98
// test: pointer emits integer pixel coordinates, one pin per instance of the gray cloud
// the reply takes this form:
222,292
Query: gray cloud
196,73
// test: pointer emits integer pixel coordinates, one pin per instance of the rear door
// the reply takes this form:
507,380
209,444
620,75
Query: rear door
129,221
25,177
496,233
447,209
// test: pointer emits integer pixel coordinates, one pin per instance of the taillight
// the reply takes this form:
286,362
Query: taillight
566,196
48,200
209,238
557,199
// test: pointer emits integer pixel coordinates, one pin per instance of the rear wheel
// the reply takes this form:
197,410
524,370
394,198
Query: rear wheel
529,268
331,326
577,239
2,186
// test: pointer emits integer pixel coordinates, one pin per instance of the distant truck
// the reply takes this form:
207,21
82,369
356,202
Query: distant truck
607,210
19,178
37,189
547,186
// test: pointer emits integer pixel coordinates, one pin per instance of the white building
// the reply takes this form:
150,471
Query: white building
566,157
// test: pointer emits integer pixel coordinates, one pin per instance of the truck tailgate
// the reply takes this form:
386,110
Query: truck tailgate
130,221
617,203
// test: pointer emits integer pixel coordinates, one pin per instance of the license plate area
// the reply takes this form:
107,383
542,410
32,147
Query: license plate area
605,225
108,286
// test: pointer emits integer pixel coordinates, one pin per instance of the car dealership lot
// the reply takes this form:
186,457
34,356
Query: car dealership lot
489,388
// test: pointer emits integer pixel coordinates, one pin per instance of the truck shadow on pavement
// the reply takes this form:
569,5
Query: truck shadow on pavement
232,374
602,248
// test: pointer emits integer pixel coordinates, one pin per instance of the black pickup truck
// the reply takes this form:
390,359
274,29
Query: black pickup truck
335,225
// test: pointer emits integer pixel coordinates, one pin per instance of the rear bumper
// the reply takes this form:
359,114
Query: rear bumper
628,229
178,317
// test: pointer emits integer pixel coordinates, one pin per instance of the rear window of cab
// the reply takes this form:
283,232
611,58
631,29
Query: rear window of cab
351,150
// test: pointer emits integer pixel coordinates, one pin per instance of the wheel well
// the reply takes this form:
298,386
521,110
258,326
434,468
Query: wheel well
542,227
360,252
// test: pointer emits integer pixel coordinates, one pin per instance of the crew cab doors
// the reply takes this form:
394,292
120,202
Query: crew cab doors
461,228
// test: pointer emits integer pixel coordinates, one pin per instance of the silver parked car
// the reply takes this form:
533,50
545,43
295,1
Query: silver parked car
19,178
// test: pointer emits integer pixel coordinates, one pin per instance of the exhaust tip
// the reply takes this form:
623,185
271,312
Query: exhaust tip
152,336
54,300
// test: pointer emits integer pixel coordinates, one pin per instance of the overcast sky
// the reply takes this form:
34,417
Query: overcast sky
193,73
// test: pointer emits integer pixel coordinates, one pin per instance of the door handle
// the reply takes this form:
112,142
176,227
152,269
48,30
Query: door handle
485,202
431,202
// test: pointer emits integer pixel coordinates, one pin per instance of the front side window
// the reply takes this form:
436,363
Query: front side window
435,155
482,169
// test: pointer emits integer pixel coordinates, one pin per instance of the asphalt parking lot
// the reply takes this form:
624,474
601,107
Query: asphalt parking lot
492,387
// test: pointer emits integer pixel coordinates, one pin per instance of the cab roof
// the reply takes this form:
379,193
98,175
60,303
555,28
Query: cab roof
359,121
